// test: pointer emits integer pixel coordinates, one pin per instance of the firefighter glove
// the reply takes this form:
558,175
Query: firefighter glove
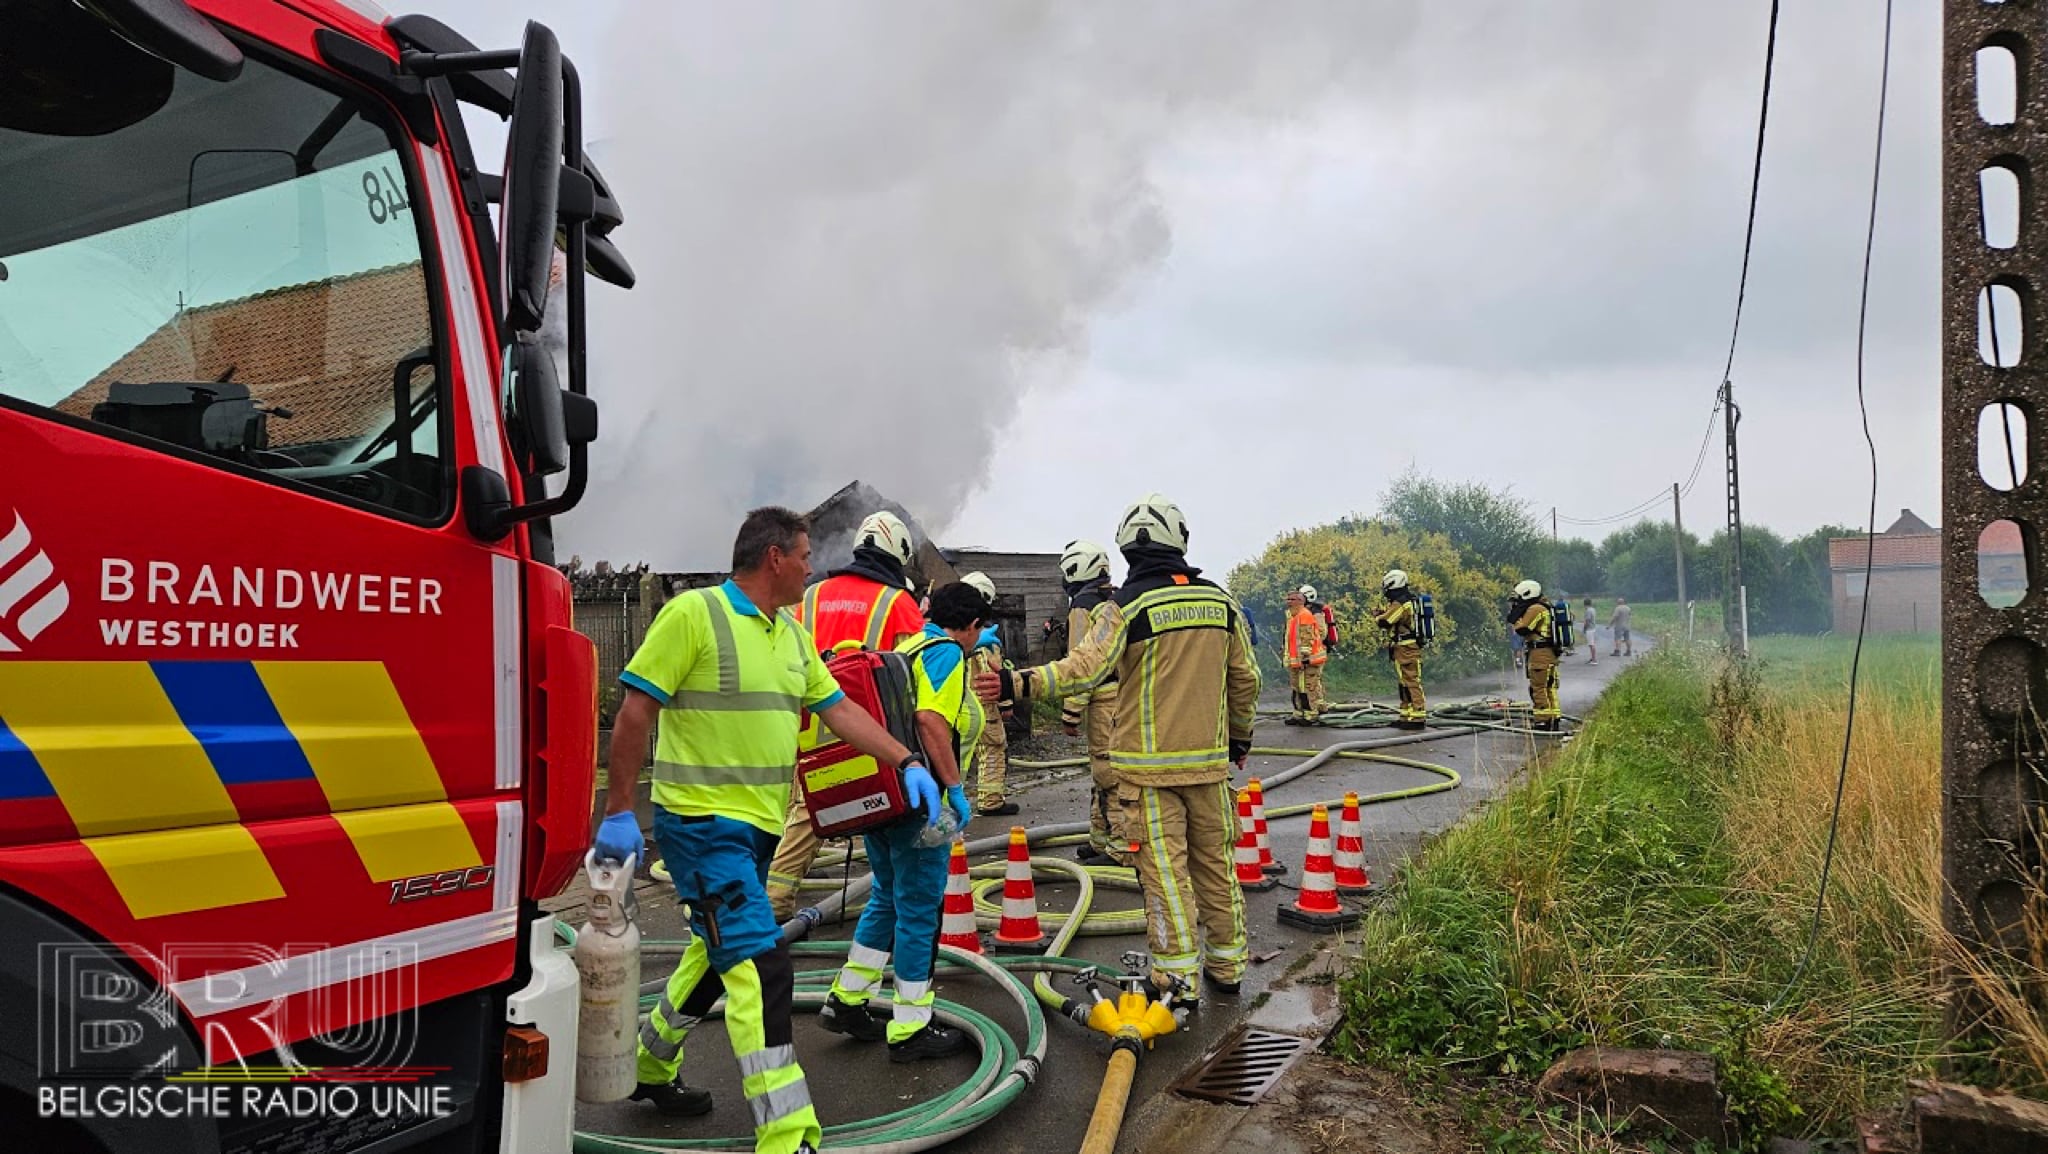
923,791
1240,749
956,796
618,838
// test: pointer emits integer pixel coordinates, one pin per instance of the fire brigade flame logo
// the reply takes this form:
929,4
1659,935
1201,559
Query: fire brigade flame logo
31,598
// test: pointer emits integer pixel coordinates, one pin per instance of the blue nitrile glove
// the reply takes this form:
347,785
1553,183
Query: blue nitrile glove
956,796
923,791
989,639
618,838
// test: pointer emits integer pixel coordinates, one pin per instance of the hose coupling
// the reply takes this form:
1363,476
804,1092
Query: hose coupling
1027,1068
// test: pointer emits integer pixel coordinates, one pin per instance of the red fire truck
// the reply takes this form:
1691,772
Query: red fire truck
295,730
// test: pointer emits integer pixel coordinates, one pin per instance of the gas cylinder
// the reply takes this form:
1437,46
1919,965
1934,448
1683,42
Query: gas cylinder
608,962
1561,625
1425,620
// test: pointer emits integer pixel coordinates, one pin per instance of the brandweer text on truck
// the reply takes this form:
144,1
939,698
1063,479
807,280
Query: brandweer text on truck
295,730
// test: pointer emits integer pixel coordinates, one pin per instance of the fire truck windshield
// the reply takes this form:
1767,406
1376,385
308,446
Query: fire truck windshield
236,273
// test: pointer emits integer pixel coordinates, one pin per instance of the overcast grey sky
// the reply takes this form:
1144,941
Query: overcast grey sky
1017,263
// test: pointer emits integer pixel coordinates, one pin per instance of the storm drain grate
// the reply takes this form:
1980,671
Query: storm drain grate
1245,1067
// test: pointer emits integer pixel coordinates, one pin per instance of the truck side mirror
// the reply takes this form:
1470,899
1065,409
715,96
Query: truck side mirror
536,395
533,182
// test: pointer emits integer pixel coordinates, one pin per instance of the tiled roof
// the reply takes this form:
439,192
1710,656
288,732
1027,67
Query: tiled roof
1907,551
1909,523
324,350
1910,550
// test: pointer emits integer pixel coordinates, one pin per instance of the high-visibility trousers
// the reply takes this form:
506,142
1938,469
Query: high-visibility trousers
1194,910
901,920
1408,668
991,763
1543,682
1106,827
793,858
737,951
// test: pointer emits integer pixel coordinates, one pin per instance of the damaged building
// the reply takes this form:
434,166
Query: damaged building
614,605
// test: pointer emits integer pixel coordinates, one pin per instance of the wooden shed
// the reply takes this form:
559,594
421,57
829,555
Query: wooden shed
1034,580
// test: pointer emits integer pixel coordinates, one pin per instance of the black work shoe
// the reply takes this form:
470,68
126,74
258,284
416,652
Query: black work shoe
860,1022
1003,810
1228,989
1091,855
933,1041
673,1098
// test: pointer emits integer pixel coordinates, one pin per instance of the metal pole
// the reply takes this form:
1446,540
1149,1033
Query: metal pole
1678,542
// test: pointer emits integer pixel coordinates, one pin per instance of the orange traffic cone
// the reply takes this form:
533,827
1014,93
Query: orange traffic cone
1019,932
1350,859
1318,908
956,927
1266,861
1249,875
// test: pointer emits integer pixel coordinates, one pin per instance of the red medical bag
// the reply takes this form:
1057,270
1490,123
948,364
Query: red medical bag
847,791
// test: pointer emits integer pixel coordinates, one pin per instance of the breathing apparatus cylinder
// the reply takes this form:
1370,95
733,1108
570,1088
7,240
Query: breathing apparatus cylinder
607,957
1425,619
1561,624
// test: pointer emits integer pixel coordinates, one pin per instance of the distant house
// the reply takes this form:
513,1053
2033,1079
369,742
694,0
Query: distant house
1903,584
2001,564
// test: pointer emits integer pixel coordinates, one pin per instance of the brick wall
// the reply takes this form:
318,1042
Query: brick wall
1904,600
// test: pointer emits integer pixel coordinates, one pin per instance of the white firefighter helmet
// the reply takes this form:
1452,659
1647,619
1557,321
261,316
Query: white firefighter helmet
1395,579
1527,591
1154,520
982,585
1084,561
887,532
1308,592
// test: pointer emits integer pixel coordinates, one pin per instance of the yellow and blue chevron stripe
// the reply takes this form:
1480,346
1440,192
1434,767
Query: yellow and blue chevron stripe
144,758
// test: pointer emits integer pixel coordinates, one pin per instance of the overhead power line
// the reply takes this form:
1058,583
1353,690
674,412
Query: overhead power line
1756,177
1827,863
1637,510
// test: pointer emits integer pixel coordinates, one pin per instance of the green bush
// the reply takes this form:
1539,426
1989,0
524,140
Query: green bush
1345,562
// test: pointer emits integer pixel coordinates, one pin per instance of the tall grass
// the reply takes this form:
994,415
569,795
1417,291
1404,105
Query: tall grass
1655,883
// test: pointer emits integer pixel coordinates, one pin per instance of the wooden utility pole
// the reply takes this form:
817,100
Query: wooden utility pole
1735,610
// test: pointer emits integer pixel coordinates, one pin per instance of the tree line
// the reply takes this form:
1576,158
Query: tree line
1467,544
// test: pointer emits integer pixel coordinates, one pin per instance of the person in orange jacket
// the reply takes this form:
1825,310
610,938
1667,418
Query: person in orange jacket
1305,658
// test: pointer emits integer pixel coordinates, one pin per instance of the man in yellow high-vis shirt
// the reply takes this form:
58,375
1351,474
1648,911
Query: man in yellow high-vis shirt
726,670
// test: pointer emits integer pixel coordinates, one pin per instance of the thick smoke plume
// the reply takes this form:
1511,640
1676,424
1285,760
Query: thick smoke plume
863,230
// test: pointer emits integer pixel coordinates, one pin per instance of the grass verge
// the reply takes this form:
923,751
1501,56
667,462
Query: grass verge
1653,886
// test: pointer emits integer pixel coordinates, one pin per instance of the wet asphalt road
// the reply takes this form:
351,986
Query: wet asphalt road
849,1080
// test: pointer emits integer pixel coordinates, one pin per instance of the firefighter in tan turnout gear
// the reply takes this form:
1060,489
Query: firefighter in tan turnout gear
1306,656
1404,645
992,760
1084,572
1189,694
1531,620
